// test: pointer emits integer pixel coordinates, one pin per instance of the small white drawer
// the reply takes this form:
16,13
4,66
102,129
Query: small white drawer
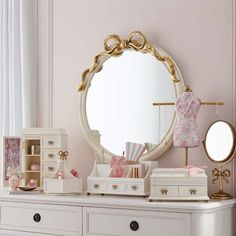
61,220
134,187
49,168
192,191
115,187
51,141
99,221
96,186
165,191
50,154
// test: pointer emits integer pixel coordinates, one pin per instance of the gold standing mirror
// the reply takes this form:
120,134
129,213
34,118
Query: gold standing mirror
219,145
117,94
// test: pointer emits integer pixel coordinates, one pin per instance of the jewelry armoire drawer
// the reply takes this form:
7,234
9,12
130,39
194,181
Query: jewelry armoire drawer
116,222
61,220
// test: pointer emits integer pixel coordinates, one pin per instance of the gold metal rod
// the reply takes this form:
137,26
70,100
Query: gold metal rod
172,103
186,156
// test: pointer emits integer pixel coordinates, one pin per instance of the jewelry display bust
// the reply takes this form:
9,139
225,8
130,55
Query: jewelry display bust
37,215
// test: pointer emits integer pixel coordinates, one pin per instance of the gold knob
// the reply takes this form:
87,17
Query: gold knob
134,187
193,191
96,186
114,186
164,191
51,142
50,168
50,155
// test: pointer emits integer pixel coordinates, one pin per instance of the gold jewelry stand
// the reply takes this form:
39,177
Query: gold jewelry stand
187,89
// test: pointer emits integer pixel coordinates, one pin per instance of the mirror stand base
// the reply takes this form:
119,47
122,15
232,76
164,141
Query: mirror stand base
221,196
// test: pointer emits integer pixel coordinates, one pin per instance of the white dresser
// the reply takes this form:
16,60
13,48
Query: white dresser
37,215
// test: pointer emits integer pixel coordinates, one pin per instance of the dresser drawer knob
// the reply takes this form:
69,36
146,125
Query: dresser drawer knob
164,191
134,225
193,191
50,142
50,155
50,168
37,217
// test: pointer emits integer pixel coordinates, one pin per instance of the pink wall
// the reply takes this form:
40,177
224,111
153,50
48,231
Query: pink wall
198,34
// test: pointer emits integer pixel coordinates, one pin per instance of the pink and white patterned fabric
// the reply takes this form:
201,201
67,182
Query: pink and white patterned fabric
187,133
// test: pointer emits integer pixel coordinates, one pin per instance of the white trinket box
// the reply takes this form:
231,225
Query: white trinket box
99,181
62,181
178,184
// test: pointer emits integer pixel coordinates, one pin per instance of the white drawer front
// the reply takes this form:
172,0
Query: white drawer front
42,218
134,187
165,191
96,186
192,191
50,154
104,222
49,168
51,141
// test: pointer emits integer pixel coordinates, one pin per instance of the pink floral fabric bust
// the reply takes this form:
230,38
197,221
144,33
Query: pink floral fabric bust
187,133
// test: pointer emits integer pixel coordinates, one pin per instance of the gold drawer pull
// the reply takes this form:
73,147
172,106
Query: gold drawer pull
50,168
96,186
50,155
193,191
134,187
114,186
164,191
51,142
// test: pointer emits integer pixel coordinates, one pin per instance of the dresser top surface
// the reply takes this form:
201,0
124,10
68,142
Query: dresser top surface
122,202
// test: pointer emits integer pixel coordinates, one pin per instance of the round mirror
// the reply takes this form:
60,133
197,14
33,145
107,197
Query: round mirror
116,103
219,142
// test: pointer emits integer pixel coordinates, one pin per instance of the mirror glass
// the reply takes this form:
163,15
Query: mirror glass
219,142
119,102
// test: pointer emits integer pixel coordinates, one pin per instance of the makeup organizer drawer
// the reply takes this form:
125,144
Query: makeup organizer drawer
49,219
98,221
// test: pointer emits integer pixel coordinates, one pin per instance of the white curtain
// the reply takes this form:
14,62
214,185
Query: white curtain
18,65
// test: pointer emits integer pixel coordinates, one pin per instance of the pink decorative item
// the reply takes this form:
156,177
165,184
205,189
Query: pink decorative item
60,175
117,165
194,169
75,173
187,133
14,182
32,183
35,167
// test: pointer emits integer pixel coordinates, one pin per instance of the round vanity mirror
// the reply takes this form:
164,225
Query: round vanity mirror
117,96
219,142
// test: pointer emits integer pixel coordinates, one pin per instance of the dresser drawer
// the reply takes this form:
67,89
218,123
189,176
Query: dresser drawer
117,222
50,154
53,141
62,220
134,188
49,168
165,191
192,191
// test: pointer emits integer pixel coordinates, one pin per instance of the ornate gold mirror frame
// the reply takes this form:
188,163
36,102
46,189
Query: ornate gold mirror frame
114,46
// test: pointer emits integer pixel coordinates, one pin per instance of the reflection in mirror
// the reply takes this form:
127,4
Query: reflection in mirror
119,103
219,141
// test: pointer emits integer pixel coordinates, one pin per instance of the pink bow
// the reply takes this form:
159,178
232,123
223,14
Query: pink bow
194,169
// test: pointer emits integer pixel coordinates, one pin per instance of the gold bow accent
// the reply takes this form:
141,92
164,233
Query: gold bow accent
115,46
225,174
63,155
